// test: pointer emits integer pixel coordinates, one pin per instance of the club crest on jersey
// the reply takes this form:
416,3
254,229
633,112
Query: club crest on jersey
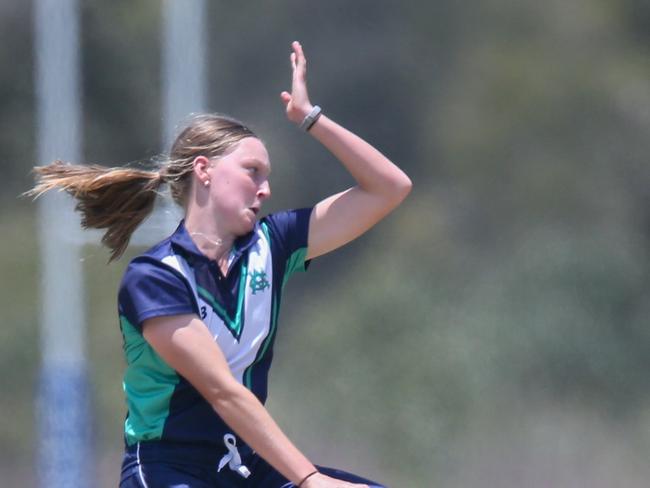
258,281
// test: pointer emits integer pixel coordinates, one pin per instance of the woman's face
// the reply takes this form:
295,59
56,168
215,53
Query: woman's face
239,185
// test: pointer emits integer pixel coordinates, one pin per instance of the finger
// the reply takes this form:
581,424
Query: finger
293,61
301,60
297,47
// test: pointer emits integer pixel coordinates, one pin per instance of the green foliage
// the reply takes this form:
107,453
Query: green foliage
19,344
498,318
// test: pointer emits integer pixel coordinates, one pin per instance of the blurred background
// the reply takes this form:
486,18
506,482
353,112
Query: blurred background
491,332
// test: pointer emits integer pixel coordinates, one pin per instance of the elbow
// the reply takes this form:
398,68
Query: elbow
406,185
223,396
402,186
231,398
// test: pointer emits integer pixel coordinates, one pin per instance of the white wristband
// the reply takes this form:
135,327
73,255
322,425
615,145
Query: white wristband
311,118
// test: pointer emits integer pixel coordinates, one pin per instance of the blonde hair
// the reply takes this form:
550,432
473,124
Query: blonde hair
120,199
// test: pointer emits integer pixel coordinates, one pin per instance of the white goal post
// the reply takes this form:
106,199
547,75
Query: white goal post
65,448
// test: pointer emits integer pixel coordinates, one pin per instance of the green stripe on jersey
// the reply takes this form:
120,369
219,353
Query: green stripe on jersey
149,383
295,263
248,382
234,324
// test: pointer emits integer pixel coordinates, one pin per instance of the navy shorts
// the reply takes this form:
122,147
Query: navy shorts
158,465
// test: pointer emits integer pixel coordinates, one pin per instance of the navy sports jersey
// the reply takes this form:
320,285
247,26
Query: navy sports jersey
240,310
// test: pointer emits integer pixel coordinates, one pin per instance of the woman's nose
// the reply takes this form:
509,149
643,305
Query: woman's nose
264,190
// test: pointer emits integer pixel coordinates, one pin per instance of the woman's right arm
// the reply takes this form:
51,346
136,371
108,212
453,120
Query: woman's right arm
185,343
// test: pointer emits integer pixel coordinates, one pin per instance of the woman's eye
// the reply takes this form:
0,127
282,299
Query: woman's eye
253,170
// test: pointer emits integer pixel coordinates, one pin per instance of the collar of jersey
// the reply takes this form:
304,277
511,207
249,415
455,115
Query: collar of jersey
184,245
182,242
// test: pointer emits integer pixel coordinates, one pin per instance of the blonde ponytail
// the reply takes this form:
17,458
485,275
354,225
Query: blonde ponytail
115,199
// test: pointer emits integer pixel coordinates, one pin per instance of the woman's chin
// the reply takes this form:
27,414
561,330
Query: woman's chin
248,224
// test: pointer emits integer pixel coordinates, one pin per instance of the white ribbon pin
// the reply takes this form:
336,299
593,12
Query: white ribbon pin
232,457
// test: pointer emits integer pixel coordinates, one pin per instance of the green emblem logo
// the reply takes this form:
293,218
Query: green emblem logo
258,281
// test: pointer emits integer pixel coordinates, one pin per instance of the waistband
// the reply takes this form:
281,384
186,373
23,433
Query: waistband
170,452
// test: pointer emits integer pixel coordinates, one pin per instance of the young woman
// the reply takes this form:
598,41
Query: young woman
198,311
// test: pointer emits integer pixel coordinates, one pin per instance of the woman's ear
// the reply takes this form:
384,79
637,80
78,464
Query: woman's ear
200,167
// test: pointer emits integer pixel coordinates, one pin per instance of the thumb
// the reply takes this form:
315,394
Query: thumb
285,97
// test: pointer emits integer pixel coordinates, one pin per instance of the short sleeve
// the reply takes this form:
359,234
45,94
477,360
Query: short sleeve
289,233
150,289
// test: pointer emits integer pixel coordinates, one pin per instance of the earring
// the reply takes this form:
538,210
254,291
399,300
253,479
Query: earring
206,182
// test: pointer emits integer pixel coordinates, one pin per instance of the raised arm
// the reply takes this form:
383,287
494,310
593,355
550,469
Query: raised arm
381,186
185,343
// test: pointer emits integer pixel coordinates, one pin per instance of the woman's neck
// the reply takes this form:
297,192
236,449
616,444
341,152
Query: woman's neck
214,244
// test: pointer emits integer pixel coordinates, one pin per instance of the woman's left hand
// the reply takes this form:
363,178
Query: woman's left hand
297,102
